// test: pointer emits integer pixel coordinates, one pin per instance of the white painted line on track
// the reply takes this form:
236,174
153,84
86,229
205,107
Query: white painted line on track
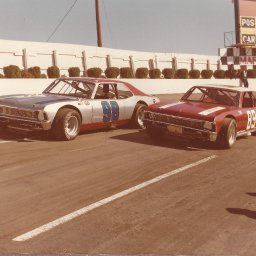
5,141
75,214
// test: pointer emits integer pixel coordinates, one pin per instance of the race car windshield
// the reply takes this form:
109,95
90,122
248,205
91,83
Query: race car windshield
71,88
212,95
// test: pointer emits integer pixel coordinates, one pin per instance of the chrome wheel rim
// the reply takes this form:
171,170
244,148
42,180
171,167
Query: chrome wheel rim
232,137
141,118
71,126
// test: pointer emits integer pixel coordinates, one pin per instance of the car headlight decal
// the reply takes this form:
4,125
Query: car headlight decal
41,115
209,125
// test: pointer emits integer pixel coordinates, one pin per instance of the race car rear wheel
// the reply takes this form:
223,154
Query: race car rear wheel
138,116
227,136
67,124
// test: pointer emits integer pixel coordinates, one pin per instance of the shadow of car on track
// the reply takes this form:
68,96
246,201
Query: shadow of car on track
9,136
138,136
251,193
248,213
168,141
39,136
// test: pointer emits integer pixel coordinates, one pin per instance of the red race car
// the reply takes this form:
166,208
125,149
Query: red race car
206,112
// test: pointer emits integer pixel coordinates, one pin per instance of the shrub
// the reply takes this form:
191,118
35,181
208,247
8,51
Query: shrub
181,73
94,72
12,71
141,73
168,73
35,71
251,73
26,74
231,74
74,72
206,74
112,72
194,74
53,72
219,74
43,76
155,73
1,76
126,72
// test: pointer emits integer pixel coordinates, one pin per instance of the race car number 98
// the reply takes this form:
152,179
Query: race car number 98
110,111
251,123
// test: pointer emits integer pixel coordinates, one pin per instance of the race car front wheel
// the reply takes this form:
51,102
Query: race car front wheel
227,136
138,116
67,124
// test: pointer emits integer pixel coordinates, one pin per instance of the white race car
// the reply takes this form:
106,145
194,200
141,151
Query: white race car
70,105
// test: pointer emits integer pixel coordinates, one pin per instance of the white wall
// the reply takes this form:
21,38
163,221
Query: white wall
29,54
150,86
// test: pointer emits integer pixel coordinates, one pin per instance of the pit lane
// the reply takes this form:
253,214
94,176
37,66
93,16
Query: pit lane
208,209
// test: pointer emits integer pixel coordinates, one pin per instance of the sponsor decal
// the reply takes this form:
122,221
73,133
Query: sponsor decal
171,104
211,110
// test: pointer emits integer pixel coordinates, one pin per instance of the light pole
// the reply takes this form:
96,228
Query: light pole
99,39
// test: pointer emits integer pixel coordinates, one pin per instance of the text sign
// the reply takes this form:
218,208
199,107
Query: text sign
248,39
247,22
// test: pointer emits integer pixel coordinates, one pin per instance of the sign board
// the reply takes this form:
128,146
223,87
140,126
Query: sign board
245,17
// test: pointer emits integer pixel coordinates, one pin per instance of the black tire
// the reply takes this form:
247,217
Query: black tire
66,125
138,115
227,136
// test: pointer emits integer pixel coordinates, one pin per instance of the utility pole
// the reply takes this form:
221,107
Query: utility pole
99,39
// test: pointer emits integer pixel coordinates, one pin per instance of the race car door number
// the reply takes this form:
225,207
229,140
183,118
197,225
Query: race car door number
251,123
110,111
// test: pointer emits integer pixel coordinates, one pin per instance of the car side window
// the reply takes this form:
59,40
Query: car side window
105,91
123,92
248,100
196,95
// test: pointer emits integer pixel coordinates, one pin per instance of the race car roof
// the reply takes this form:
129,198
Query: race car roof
227,87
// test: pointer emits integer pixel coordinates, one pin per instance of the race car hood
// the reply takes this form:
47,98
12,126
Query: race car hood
26,101
194,110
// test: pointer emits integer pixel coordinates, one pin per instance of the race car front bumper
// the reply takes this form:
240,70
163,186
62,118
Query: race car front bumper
22,124
199,133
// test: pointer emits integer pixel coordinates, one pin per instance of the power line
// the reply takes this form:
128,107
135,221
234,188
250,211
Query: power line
60,23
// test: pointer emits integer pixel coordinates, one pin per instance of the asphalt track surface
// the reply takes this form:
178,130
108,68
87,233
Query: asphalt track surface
126,195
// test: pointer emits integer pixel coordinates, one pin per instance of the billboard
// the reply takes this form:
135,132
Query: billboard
245,18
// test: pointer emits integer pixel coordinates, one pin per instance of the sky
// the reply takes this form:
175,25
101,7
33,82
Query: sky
162,26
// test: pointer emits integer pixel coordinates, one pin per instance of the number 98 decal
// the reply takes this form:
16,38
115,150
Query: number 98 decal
110,111
251,123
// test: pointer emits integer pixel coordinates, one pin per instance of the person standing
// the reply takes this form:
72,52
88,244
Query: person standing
243,77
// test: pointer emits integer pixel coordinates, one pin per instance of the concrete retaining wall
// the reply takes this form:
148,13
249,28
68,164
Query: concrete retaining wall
150,86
